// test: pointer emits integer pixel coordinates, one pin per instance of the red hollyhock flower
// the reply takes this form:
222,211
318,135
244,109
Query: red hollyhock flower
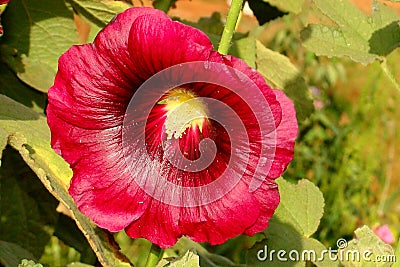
165,136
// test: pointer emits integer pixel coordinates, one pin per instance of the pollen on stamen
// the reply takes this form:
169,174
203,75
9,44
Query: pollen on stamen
184,111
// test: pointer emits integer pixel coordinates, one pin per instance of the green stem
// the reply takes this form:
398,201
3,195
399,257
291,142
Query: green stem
154,257
388,74
229,29
389,168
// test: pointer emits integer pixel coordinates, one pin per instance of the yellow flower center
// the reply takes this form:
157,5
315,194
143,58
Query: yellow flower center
184,110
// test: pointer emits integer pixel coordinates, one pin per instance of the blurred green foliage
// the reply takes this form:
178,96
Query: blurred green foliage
343,147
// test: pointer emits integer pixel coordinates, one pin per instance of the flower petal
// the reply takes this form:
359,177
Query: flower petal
86,92
111,201
268,198
101,186
157,43
284,115
214,223
286,136
112,42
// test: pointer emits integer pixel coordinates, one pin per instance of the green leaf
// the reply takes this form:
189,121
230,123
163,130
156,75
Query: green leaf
245,48
35,74
78,264
366,250
136,250
27,132
212,26
293,6
29,263
207,259
190,259
28,212
164,5
363,38
3,142
285,246
12,87
99,12
322,253
280,73
280,236
397,254
295,220
11,254
67,231
302,205
41,30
